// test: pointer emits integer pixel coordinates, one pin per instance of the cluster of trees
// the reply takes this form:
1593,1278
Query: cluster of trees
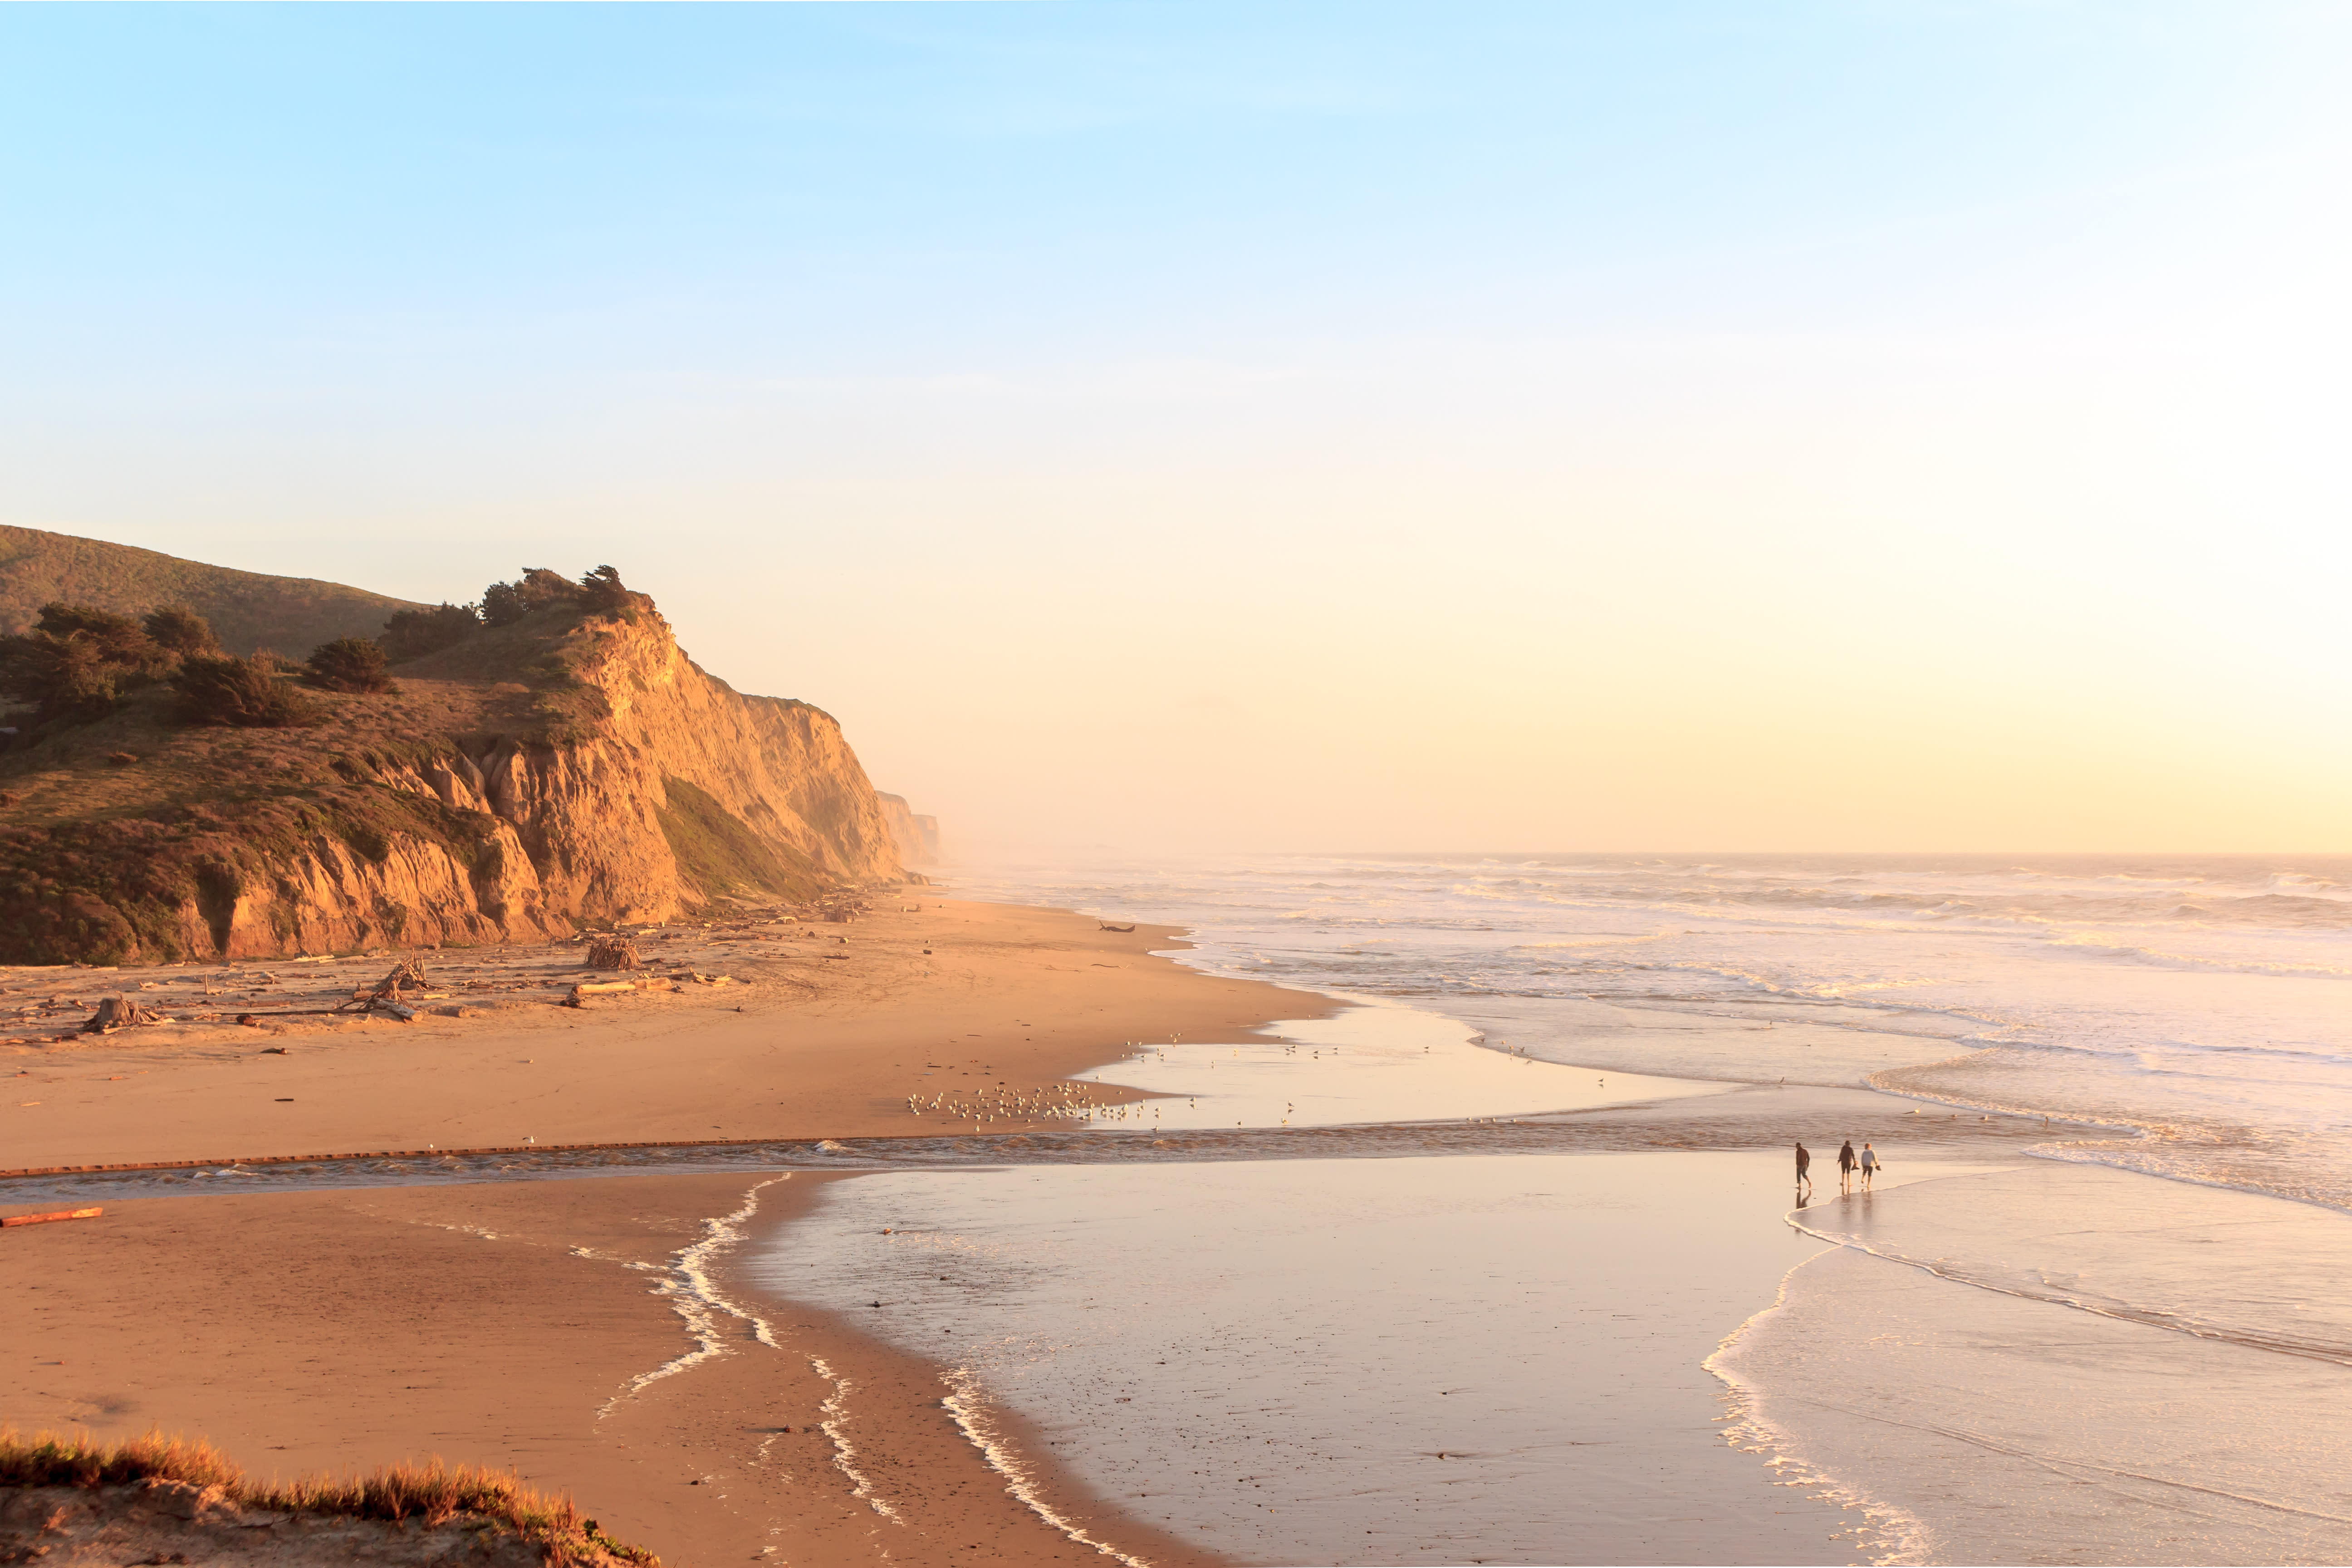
78,664
413,634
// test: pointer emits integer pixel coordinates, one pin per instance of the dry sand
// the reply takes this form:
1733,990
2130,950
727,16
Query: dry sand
829,1030
505,1324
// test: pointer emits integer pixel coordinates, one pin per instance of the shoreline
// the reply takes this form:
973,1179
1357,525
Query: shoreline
814,1437
549,1326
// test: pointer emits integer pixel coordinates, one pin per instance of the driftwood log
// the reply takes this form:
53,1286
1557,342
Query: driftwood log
587,988
1108,926
19,1219
406,975
613,952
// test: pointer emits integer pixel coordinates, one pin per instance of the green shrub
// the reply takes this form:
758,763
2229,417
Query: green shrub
244,692
348,664
78,664
177,629
413,634
118,638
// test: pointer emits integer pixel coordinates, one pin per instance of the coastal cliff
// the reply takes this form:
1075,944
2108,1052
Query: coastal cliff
918,836
571,767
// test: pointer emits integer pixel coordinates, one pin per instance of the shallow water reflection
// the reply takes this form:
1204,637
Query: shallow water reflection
1481,1358
1376,1062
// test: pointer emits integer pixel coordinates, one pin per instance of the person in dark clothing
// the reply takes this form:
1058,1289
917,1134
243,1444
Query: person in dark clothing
1804,1168
1845,1166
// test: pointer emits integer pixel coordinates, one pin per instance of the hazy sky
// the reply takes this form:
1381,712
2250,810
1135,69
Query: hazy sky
1550,426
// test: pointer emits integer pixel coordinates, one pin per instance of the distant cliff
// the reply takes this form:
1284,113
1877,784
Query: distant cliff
570,767
917,837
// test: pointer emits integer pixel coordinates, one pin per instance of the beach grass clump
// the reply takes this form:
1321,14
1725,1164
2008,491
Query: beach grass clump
431,1492
46,1460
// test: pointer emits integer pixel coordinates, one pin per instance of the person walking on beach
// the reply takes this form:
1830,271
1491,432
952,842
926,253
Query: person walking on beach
1804,1168
1869,1164
1845,1166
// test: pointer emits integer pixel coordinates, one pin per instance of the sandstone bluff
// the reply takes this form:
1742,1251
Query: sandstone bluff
562,765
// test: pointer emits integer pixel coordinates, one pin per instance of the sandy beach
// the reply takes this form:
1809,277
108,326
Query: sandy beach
825,1032
511,1324
690,1355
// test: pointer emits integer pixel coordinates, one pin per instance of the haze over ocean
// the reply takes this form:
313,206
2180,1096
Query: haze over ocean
1830,426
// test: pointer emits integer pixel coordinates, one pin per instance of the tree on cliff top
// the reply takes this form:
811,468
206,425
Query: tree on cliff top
599,593
413,634
603,593
504,604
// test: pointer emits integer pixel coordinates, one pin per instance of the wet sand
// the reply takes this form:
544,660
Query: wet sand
505,1324
493,1323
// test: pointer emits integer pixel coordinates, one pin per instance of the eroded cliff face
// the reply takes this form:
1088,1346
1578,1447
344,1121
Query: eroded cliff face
625,785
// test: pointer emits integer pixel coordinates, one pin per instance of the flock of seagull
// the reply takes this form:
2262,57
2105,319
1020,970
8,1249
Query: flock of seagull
1065,1100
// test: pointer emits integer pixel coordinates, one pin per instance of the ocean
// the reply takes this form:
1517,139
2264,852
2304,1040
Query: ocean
2127,1341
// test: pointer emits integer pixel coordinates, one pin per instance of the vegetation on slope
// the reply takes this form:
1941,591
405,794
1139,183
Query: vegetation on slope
152,778
717,853
432,1493
248,610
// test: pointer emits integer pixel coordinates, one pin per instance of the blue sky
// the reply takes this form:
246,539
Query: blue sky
1731,369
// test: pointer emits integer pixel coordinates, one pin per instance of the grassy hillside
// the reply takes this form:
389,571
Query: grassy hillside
248,610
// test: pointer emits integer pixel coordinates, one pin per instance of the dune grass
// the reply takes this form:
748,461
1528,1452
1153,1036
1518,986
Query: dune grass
432,1493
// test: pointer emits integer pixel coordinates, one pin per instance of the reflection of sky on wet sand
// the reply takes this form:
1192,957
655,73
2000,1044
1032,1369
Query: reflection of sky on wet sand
1381,1062
2138,1372
1485,1357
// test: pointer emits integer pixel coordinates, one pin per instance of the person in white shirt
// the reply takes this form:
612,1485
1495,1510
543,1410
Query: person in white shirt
1869,1165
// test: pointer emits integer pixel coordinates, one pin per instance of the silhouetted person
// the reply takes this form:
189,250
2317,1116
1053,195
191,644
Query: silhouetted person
1845,1166
1804,1169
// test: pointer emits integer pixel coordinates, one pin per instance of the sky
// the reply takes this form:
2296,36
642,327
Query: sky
1865,426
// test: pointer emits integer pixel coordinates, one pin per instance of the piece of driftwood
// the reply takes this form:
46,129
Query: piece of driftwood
588,988
120,1012
613,952
51,1219
384,997
1108,926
